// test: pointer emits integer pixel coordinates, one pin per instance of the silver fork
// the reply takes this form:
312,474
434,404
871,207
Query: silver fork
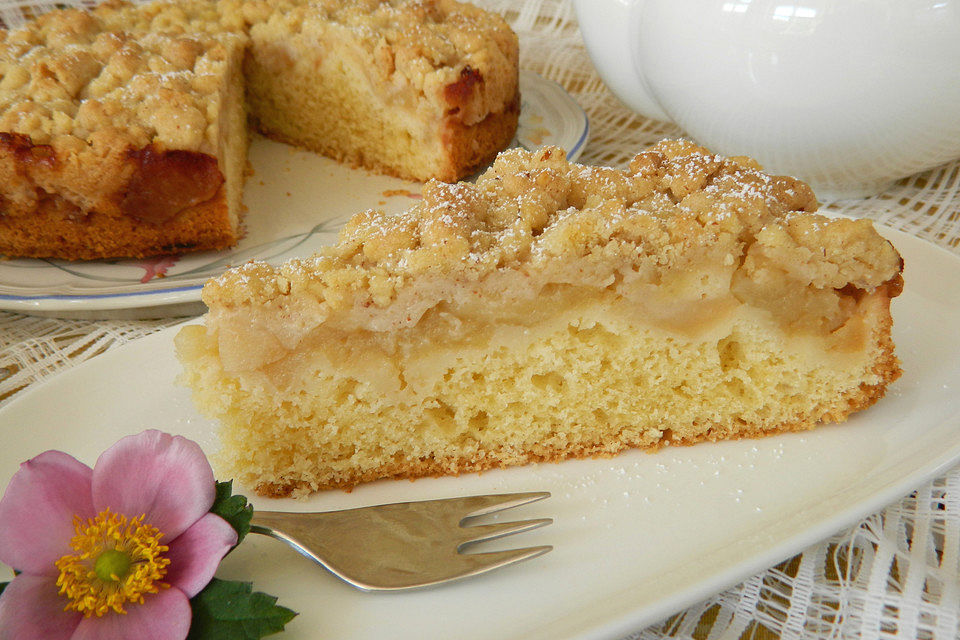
405,545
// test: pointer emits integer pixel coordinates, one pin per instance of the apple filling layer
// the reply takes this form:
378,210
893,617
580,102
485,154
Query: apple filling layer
342,409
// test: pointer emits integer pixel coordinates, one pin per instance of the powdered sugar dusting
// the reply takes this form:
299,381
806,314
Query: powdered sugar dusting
536,211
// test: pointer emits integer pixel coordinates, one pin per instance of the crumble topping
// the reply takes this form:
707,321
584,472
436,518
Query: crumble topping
67,80
534,210
463,59
456,53
76,98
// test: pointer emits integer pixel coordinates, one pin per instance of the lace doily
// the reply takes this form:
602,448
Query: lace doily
895,574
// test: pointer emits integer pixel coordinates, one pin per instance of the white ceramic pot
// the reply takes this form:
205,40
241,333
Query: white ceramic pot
848,95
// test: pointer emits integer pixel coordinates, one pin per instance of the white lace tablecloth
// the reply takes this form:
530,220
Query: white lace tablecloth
895,574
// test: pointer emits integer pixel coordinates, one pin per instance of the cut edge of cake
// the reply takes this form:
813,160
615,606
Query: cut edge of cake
416,90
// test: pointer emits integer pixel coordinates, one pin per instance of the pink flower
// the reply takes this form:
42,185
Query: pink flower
112,552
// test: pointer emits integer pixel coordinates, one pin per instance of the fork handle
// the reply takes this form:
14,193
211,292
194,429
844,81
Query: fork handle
280,524
308,538
311,535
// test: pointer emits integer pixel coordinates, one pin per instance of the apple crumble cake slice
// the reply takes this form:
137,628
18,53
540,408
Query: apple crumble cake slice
551,310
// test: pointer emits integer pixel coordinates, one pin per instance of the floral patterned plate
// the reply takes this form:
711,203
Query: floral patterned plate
296,202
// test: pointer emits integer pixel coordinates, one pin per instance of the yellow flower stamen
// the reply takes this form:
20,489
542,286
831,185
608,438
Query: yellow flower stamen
130,547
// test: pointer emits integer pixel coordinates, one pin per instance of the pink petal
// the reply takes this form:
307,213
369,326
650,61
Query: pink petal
196,554
162,616
165,477
32,609
37,510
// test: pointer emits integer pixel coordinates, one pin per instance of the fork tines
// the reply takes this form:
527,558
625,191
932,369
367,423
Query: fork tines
477,506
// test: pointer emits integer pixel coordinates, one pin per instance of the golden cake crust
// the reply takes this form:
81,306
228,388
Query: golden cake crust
52,232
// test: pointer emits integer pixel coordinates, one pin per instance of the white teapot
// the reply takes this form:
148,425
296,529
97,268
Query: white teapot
849,95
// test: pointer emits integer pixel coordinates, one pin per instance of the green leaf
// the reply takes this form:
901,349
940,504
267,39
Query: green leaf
233,508
231,610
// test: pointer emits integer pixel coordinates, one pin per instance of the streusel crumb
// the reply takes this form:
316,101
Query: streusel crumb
533,207
84,96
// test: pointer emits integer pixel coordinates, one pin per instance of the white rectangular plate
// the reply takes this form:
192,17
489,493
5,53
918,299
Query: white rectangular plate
636,537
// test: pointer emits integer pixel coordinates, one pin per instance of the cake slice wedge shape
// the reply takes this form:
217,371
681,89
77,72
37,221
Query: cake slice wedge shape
549,311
